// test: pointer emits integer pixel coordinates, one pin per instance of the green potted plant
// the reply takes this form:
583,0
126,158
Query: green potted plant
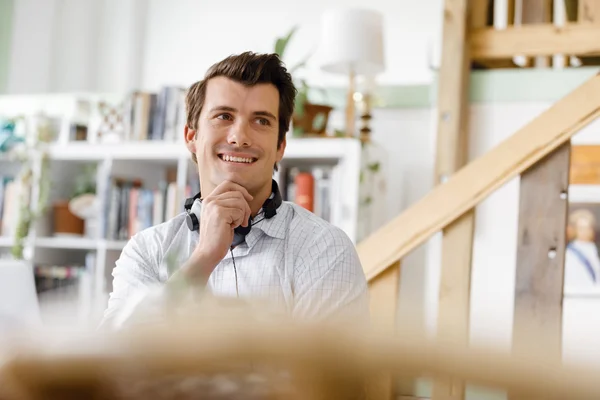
77,215
308,118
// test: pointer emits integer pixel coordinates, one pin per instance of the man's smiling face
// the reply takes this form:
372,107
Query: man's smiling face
237,135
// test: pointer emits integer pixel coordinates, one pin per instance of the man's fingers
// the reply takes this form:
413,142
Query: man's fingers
237,206
235,196
227,186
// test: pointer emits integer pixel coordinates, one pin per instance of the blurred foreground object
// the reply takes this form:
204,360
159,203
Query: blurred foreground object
232,350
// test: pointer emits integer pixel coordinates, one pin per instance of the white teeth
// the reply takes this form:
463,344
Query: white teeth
237,159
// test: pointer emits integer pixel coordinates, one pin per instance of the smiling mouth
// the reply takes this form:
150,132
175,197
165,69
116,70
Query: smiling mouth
237,160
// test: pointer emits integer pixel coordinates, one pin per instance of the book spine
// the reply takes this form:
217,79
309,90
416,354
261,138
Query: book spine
305,190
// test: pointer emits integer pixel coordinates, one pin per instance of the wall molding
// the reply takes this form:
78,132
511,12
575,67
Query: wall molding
492,86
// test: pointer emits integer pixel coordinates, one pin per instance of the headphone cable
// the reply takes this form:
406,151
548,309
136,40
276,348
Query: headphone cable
237,292
233,261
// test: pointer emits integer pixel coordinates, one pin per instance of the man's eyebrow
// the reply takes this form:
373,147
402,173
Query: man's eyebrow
265,114
223,108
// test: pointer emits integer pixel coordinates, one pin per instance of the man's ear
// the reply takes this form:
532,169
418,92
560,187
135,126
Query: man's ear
281,149
190,139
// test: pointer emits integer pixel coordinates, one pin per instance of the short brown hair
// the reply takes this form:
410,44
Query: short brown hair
249,69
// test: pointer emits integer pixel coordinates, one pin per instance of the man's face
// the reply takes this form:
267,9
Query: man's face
237,135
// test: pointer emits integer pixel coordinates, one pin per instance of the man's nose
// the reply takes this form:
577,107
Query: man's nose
239,135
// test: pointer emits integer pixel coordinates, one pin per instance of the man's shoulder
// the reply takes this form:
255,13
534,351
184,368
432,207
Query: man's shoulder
162,234
308,225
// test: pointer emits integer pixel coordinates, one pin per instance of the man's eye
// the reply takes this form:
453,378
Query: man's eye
224,116
264,121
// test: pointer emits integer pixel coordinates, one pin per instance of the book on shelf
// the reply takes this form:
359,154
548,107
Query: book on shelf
130,207
309,187
155,116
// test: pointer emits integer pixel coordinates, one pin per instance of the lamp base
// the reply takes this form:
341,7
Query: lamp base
350,108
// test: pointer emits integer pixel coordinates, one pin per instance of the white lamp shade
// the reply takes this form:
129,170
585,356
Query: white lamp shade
352,40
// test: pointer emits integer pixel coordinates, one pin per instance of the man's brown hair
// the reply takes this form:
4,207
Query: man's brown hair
249,69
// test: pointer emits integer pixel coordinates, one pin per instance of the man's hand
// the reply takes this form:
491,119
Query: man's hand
223,210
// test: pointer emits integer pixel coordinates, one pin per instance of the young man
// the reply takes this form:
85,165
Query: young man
237,120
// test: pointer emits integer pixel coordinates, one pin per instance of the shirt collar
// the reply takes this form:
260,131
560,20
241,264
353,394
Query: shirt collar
274,227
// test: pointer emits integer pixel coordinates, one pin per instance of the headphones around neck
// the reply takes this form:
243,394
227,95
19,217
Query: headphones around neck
269,209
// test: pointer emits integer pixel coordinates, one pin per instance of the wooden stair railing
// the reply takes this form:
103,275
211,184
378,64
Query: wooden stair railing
537,149
480,178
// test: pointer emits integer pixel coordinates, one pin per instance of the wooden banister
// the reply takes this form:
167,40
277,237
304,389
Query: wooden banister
478,179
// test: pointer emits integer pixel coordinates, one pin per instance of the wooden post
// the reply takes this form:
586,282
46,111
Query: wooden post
383,292
537,12
588,12
543,207
482,16
452,154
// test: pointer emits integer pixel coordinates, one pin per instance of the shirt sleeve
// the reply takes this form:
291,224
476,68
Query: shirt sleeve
137,291
330,284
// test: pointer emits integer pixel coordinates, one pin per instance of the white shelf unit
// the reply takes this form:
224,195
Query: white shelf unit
148,161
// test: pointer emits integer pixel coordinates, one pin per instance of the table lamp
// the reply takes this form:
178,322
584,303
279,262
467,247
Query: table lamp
352,44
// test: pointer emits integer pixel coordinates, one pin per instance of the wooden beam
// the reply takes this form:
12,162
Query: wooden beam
384,292
535,40
452,154
478,179
543,207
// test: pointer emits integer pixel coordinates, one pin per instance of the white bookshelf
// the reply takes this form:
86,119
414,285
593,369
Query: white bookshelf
149,160
133,151
66,243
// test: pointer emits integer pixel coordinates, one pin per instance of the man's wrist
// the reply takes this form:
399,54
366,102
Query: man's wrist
197,269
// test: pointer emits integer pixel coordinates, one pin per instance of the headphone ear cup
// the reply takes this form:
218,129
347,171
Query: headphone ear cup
192,222
192,219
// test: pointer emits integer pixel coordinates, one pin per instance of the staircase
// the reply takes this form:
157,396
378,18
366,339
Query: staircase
539,154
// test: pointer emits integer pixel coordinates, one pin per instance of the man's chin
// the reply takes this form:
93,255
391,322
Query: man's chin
232,177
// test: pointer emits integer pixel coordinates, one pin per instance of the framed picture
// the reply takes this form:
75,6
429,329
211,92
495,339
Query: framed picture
582,255
582,260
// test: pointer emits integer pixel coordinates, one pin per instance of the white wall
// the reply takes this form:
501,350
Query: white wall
61,46
31,49
183,41
407,137
496,219
107,45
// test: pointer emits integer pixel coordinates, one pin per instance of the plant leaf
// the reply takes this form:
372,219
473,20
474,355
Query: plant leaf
281,43
374,167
